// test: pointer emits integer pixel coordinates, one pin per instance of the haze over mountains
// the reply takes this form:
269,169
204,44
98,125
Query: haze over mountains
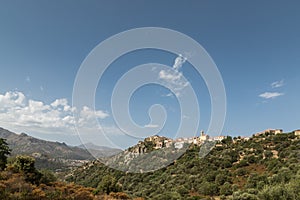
99,151
53,154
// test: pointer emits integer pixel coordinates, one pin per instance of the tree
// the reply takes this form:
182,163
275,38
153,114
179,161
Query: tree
251,159
227,140
209,189
243,196
275,192
268,154
47,176
168,196
221,179
183,191
4,152
108,184
226,189
25,165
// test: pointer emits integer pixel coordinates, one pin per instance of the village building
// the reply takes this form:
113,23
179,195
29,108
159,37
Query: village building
246,138
297,132
274,131
158,145
168,143
270,131
219,138
179,145
203,136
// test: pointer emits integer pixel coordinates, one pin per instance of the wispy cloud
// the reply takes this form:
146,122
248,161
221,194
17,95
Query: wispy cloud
151,126
27,79
16,110
173,77
185,117
170,94
273,94
270,95
277,84
170,77
179,61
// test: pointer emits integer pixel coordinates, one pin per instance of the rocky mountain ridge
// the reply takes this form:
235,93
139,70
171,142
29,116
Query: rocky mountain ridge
51,155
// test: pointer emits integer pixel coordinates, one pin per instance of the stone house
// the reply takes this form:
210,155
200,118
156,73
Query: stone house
297,132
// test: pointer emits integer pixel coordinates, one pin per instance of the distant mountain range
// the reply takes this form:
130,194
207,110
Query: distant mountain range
53,154
25,144
100,151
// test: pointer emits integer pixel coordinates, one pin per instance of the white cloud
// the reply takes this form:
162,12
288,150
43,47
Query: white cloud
12,99
59,102
277,84
270,95
179,61
87,115
169,76
151,126
170,94
18,112
174,78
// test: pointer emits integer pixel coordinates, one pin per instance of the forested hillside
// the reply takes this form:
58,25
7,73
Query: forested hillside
20,180
264,167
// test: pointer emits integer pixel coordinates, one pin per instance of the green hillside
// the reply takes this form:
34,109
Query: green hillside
21,180
264,167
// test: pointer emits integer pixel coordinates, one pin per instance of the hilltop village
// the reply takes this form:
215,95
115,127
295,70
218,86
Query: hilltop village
178,143
264,166
159,142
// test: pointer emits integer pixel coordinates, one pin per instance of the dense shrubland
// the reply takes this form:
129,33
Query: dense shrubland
263,167
20,180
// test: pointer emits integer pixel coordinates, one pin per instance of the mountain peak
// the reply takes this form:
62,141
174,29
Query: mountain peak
23,134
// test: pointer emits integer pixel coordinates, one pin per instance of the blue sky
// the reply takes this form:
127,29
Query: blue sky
254,44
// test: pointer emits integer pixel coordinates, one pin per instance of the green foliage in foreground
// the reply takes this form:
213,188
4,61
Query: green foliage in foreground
21,180
265,167
4,152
